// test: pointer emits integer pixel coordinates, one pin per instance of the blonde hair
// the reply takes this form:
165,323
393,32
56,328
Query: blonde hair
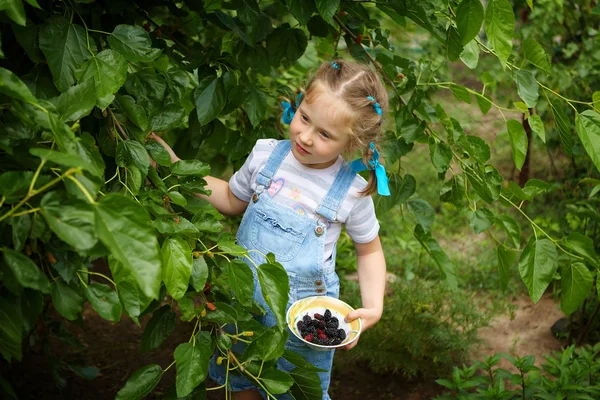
354,84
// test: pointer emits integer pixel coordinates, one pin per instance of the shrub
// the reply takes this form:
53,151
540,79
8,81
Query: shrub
425,329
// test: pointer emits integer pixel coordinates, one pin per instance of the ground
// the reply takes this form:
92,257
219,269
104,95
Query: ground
114,349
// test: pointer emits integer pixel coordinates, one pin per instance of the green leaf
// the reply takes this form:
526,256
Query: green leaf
461,93
440,154
453,45
255,105
241,280
476,147
177,266
134,112
301,9
192,363
584,246
160,326
66,49
27,37
177,198
276,381
469,16
210,99
423,211
148,87
104,300
169,117
287,43
576,284
400,189
158,154
199,273
72,220
141,383
506,259
108,71
587,125
481,219
223,314
537,266
511,228
470,56
564,126
133,42
21,226
484,102
274,283
190,168
596,101
453,191
518,142
327,9
25,271
67,160
133,153
67,299
11,331
527,87
534,187
537,126
77,102
300,362
499,28
131,295
270,345
432,247
12,86
535,54
124,228
15,11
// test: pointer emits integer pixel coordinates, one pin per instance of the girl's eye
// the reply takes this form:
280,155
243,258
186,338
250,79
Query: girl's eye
325,135
304,118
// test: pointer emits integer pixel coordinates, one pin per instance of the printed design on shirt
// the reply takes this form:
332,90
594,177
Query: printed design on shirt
300,209
295,193
276,186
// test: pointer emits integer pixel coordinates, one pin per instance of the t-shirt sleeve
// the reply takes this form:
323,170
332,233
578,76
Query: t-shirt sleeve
362,224
240,182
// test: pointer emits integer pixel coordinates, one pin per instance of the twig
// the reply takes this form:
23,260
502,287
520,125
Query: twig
117,124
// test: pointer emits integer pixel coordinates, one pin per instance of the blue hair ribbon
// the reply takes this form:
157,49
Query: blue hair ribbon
376,106
382,180
334,64
289,110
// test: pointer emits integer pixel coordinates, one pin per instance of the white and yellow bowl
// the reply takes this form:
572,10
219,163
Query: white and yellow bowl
318,304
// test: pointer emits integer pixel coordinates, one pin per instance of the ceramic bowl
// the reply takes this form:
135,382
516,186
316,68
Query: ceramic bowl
318,304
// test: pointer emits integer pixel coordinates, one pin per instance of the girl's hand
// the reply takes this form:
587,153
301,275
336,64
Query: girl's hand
164,144
369,317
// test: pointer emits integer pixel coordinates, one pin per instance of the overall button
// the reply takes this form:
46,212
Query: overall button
320,290
255,197
319,230
318,283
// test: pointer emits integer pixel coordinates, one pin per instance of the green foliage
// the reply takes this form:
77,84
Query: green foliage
425,329
572,373
82,92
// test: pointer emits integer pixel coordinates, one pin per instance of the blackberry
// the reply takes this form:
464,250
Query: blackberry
341,334
321,325
336,341
309,338
327,315
333,323
331,332
315,323
300,326
307,319
311,330
318,316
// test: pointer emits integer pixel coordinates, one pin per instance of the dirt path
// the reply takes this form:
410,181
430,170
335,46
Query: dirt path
528,333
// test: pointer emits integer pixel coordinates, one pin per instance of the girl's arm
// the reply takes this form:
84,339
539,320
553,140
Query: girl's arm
222,198
371,279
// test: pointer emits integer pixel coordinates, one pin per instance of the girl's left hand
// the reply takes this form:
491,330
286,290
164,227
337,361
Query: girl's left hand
369,317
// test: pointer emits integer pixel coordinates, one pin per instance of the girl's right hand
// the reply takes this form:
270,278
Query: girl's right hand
164,144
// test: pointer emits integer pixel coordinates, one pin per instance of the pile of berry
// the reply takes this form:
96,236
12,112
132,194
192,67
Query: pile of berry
322,329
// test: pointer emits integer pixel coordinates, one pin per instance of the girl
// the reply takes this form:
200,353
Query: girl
296,194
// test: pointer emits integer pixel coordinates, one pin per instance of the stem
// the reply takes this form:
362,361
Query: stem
249,374
99,274
53,182
82,281
166,369
36,175
83,189
117,124
27,212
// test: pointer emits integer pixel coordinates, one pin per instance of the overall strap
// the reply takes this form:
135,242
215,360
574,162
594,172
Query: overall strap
275,159
337,193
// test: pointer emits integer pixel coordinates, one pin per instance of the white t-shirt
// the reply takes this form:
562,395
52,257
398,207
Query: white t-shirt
302,189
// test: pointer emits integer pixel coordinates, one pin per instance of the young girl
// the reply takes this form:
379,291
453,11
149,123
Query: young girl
296,194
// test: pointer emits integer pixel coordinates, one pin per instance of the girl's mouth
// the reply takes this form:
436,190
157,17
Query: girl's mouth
301,149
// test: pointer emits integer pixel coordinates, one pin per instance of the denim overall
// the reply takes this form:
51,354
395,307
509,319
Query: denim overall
298,242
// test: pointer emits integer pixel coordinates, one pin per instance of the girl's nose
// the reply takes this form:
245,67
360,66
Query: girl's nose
305,137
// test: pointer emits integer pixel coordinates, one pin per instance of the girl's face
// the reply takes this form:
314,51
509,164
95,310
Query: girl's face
319,131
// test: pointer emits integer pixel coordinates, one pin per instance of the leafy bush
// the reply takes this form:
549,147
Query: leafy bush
425,329
573,373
